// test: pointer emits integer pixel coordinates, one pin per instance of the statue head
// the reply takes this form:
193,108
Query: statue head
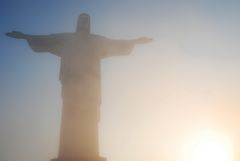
83,24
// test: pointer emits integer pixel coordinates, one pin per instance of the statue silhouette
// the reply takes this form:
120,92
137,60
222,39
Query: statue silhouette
80,54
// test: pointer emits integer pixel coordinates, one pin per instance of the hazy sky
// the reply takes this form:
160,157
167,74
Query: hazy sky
185,81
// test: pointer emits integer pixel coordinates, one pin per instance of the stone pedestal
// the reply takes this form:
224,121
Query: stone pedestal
80,159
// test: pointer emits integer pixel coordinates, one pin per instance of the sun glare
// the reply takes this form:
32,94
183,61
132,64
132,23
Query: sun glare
208,146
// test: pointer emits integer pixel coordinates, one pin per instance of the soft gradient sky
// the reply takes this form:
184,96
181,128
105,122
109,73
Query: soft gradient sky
152,101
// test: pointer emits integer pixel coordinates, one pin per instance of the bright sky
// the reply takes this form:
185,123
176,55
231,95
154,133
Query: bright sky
152,101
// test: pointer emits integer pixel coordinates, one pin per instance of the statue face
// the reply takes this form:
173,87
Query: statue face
83,25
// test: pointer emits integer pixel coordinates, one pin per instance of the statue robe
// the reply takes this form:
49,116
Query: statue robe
81,92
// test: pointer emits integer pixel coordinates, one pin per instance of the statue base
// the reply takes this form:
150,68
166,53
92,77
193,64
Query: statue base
80,159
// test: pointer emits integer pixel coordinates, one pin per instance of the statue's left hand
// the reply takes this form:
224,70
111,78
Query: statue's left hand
143,40
16,34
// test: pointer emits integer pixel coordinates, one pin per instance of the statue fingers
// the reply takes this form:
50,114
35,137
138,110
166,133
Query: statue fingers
15,34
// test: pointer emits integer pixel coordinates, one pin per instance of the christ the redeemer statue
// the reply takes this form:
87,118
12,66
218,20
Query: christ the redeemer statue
80,54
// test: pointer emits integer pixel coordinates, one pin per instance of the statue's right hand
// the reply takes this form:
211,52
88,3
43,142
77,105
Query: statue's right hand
16,34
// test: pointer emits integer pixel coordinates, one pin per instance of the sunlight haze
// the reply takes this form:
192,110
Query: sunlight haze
156,102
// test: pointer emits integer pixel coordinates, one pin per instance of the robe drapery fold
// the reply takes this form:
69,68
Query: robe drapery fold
81,86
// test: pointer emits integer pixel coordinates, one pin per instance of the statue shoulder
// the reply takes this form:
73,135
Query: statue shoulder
97,37
100,40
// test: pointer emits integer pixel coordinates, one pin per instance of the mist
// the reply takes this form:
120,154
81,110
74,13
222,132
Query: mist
153,100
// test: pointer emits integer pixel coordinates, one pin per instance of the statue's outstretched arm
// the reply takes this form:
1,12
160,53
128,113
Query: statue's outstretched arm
20,35
112,47
39,43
